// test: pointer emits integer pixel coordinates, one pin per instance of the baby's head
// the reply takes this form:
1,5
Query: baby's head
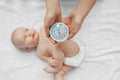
25,38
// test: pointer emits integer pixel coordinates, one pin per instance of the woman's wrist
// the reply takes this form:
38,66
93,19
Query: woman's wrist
78,17
51,5
83,8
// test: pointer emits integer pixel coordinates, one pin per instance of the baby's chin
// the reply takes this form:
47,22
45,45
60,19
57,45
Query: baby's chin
36,37
37,40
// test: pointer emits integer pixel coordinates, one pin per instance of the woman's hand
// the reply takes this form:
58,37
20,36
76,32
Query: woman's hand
53,14
77,16
74,22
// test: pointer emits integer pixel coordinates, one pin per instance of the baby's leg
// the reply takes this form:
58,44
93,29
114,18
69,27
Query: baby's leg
60,75
50,69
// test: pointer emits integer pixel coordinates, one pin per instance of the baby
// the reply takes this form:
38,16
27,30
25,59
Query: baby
61,57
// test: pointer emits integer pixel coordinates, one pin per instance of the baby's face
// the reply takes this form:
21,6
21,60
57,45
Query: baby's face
26,37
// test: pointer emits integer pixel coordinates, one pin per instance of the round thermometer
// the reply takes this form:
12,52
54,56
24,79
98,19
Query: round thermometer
59,32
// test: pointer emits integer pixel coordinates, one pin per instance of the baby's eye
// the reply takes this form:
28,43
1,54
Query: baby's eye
25,37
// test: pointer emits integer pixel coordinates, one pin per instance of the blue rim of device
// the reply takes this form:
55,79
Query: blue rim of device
63,38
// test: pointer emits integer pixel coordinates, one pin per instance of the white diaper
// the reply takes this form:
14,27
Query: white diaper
76,60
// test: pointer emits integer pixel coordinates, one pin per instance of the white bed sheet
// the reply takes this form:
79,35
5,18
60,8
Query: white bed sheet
100,33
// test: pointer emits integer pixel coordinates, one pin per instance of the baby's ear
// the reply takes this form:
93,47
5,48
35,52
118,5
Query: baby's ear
26,49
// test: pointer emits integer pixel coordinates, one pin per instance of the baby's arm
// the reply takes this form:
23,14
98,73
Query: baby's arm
53,62
57,54
49,59
42,54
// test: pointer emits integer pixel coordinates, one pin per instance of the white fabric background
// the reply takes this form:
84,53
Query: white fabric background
100,33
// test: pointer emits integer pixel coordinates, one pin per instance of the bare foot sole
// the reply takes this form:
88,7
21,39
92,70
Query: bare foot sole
59,75
50,70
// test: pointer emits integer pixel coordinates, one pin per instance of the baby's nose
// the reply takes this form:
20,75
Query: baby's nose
30,33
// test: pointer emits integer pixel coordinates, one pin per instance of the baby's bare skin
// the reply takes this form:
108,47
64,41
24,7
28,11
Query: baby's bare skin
68,47
54,54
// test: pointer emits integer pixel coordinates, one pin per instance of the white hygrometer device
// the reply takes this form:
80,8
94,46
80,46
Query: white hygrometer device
59,32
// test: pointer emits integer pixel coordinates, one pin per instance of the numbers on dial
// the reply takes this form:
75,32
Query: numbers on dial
59,32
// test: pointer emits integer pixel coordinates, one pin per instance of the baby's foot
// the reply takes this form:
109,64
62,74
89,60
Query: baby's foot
50,70
59,75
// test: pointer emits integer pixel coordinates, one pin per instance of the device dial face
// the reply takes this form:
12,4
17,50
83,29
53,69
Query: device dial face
59,32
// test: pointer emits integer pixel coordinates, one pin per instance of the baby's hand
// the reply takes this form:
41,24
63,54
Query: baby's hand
53,62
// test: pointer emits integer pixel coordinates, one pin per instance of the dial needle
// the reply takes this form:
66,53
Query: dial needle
59,32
